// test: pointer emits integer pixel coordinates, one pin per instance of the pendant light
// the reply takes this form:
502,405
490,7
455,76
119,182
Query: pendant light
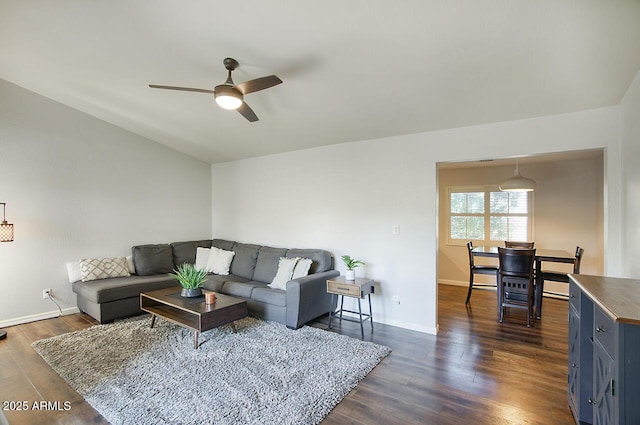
517,183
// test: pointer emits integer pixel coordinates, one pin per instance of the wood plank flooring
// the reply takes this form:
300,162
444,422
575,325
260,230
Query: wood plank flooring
476,371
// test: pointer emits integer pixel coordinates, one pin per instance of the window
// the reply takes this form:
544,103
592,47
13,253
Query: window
488,216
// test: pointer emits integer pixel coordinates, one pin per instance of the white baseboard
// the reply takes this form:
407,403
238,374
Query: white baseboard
411,326
39,316
397,323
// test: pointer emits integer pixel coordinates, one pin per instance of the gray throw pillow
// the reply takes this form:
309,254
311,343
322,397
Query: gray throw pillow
152,259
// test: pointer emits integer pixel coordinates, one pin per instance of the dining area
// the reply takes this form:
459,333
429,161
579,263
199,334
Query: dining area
562,220
520,274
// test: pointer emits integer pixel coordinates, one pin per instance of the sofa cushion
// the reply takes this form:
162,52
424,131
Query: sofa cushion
152,259
322,260
215,282
267,264
185,252
240,289
269,296
244,262
118,288
223,244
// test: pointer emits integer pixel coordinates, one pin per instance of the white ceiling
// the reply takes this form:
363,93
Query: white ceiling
352,70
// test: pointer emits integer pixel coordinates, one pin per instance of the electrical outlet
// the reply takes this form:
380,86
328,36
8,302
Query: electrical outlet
46,293
396,299
395,229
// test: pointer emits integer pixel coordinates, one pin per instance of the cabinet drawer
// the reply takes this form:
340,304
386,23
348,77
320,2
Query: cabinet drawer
604,330
574,295
344,289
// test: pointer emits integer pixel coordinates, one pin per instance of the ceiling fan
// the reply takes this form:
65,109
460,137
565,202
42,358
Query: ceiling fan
229,95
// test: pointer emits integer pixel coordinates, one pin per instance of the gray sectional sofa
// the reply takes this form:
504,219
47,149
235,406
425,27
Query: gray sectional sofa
253,267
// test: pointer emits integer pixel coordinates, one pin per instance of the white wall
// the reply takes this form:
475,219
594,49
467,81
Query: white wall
630,132
568,211
346,198
77,187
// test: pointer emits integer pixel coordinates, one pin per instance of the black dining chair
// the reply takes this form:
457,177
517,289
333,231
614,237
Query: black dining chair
516,280
478,269
558,276
516,244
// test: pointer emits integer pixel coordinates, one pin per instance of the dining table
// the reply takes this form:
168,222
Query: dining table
542,255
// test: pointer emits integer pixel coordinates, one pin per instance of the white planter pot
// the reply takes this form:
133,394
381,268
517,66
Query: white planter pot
351,275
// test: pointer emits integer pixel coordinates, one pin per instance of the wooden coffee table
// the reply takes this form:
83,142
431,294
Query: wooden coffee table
193,313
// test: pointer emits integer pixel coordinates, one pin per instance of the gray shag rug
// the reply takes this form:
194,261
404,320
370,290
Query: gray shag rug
264,374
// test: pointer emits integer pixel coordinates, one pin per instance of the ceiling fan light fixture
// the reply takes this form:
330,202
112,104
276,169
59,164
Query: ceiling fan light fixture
227,97
518,183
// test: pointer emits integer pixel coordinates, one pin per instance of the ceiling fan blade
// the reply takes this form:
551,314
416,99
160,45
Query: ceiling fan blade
258,84
247,112
154,86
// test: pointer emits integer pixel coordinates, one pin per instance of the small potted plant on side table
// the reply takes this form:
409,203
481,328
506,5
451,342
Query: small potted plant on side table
351,266
191,279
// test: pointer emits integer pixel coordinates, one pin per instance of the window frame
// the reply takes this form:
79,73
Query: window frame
487,189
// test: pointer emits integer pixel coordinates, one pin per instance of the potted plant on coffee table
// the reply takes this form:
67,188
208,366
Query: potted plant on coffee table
191,279
351,266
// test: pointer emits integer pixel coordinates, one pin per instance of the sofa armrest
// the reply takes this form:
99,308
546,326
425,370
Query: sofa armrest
307,298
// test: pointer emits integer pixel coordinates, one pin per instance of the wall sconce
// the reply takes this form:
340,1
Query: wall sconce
6,229
6,235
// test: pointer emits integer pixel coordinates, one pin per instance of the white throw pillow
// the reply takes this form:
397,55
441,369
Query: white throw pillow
132,267
219,261
103,268
73,271
302,268
284,273
202,258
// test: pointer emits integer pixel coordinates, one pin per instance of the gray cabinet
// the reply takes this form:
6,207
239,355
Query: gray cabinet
604,350
604,400
574,361
580,368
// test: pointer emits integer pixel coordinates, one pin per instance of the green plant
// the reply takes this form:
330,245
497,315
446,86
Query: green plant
189,277
351,263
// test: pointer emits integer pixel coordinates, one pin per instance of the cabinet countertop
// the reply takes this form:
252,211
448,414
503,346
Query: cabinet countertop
617,297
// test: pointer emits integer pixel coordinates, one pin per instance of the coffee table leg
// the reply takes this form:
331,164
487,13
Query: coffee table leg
233,327
195,340
153,320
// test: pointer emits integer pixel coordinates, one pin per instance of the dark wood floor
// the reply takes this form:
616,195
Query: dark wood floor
476,371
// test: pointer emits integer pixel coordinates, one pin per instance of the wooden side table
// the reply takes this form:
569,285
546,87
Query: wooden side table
359,288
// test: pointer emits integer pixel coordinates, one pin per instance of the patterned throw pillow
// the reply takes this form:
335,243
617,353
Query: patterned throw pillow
103,268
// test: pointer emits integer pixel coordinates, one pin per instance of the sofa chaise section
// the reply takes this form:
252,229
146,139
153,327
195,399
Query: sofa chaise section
108,299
